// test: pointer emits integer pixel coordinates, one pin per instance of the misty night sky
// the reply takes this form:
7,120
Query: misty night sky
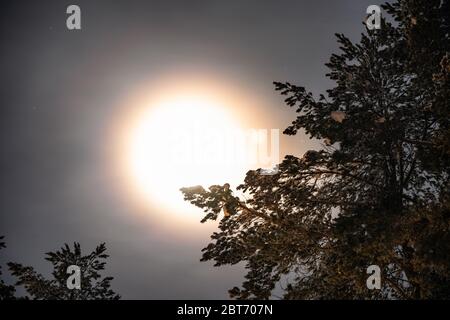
59,95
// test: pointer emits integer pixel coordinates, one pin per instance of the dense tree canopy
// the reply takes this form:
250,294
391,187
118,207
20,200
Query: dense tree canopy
378,190
93,286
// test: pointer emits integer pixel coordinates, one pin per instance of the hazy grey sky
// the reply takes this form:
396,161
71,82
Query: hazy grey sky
59,91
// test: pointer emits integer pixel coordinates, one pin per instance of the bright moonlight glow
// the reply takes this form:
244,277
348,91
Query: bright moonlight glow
179,142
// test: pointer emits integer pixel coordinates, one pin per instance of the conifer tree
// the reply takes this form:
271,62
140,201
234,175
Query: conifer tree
376,193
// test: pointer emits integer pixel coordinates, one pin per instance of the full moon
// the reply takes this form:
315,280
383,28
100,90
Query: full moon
179,141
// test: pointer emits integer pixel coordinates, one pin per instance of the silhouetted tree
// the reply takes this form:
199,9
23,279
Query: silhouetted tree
6,291
377,192
93,286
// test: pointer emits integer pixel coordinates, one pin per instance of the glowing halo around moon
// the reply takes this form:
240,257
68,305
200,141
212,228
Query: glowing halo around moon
161,159
170,142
